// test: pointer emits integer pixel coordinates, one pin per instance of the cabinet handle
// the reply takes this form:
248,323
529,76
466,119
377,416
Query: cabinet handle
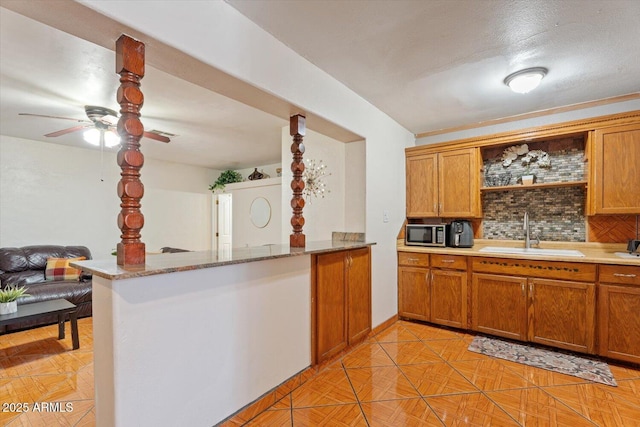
435,207
413,259
531,289
523,290
440,207
426,277
350,260
448,260
624,275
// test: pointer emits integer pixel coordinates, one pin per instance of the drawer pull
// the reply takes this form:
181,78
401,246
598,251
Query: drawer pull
448,260
413,259
624,275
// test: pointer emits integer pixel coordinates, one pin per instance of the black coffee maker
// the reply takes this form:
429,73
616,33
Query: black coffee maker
460,234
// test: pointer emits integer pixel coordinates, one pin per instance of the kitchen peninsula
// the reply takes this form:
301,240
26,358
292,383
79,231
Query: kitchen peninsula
190,338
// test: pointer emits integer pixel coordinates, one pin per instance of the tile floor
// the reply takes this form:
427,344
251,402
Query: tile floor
408,375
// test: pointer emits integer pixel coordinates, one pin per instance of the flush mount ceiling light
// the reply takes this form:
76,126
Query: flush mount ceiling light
524,81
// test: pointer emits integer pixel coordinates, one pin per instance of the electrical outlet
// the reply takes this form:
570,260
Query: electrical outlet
385,216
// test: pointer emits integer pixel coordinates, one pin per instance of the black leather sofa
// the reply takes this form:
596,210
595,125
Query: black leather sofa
26,267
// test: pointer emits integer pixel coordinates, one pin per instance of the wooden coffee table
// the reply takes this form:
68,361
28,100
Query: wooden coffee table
37,310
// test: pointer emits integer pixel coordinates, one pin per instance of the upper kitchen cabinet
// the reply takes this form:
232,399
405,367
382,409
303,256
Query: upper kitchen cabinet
443,184
615,171
422,186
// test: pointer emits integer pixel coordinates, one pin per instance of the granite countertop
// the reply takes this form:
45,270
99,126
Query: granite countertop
595,253
183,261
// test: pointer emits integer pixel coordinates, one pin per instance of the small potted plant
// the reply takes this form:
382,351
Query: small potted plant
9,296
527,178
226,177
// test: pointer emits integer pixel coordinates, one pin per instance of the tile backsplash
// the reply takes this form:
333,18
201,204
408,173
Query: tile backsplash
556,214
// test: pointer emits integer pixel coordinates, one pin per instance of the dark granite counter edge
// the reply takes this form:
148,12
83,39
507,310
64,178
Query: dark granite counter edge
185,261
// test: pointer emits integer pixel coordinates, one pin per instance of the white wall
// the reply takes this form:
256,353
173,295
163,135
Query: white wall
244,232
52,194
235,332
322,215
244,50
355,186
602,110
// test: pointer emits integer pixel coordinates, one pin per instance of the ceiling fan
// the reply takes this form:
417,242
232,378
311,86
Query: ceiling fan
102,120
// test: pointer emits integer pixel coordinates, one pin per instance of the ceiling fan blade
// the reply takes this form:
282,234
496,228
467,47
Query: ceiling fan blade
157,137
68,130
54,117
109,120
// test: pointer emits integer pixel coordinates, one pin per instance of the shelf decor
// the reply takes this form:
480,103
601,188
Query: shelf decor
540,157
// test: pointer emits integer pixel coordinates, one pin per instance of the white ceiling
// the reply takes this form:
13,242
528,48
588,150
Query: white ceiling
438,64
429,64
46,71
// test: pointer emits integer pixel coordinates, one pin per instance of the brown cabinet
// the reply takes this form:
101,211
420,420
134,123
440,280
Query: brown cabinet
341,300
619,312
443,184
435,294
549,310
449,290
562,314
499,305
422,186
615,175
414,293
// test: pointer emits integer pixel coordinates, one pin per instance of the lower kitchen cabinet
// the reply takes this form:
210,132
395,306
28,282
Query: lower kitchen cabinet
619,313
499,305
449,290
435,294
341,292
562,314
414,293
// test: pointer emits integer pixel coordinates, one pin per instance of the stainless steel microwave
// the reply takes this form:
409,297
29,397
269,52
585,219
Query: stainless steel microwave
425,235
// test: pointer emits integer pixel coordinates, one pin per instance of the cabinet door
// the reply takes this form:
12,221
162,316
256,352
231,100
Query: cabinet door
414,300
499,305
616,175
562,314
331,308
458,176
449,298
422,186
619,322
359,289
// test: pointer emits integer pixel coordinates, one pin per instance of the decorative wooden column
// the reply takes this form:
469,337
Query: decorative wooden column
130,66
297,130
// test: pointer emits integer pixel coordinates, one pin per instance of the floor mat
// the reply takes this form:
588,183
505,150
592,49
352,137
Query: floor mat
564,363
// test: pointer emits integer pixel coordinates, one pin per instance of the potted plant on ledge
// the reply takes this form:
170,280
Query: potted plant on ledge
9,298
226,177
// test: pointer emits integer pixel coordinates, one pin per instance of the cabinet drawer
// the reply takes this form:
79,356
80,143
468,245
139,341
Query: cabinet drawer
413,259
579,272
622,274
454,262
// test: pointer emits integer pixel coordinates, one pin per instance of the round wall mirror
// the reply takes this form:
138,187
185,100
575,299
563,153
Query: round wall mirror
260,212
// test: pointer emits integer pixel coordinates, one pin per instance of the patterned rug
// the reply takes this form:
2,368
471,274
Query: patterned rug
564,363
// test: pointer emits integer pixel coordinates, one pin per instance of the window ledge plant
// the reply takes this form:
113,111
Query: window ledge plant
227,177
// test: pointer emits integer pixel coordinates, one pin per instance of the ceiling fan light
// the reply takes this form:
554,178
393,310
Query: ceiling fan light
111,139
525,81
92,136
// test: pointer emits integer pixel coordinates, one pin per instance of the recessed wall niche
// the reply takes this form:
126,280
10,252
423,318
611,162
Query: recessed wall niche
556,214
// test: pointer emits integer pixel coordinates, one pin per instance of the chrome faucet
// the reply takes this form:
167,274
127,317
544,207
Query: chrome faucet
527,233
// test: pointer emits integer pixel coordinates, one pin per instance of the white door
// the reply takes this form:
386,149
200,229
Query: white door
224,225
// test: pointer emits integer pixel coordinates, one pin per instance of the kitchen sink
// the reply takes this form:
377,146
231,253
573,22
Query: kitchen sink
531,251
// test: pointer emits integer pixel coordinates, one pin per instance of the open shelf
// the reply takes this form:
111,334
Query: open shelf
533,186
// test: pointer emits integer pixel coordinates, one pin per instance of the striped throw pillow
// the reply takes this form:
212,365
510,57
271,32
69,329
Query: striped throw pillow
58,269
